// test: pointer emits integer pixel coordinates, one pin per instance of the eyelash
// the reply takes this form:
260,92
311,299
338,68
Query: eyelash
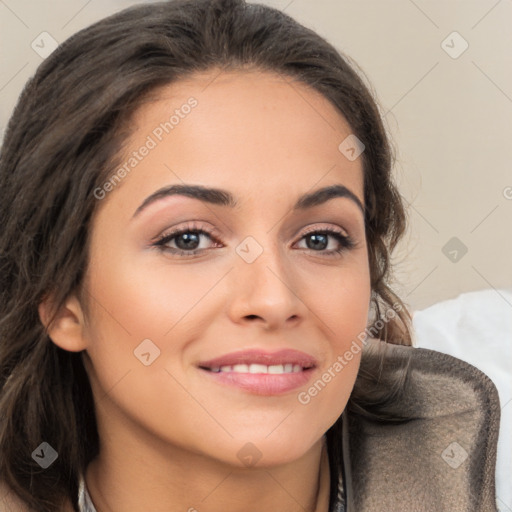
346,242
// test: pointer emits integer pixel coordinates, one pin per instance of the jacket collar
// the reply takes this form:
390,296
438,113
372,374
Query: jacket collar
426,441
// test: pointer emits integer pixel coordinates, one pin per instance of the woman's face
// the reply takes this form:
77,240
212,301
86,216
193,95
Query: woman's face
262,277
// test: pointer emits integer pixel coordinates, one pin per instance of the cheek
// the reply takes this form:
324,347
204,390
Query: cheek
342,300
168,304
344,311
152,300
129,308
326,396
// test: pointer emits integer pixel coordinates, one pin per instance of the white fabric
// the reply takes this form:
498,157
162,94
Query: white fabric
477,328
84,500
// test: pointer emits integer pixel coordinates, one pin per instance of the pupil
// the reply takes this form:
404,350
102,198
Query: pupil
189,238
315,238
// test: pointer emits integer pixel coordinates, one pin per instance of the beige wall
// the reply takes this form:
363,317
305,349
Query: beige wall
450,118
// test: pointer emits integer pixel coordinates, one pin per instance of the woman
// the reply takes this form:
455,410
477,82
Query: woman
199,214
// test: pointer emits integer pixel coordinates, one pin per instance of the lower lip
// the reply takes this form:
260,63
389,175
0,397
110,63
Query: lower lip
263,383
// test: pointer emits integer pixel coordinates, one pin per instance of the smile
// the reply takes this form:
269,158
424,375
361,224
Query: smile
258,379
274,369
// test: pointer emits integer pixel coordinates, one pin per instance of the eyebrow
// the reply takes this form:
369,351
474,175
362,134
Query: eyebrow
222,197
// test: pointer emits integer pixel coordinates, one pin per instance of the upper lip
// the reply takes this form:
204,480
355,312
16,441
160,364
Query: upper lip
257,356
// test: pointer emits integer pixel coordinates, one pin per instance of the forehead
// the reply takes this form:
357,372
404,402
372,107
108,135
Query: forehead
253,132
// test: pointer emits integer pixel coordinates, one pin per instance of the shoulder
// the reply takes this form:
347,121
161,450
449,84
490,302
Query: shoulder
11,502
430,423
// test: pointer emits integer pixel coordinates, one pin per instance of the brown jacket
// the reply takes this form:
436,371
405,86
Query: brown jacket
436,452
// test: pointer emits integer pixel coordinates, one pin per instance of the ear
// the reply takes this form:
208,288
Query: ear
68,327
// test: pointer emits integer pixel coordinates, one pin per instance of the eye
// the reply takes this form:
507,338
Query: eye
319,240
186,241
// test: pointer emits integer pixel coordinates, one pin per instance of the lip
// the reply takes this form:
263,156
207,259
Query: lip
257,356
262,383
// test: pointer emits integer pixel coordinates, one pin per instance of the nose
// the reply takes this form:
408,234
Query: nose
264,287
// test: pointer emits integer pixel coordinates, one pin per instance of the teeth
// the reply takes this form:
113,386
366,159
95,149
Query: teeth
259,368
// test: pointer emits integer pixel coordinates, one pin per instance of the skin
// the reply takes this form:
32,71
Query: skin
169,436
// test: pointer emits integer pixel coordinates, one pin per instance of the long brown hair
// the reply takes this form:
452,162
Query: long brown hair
64,140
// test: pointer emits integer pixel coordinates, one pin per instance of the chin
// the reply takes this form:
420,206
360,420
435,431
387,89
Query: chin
266,452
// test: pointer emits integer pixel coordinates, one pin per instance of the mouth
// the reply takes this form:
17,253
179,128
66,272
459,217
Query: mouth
274,369
261,373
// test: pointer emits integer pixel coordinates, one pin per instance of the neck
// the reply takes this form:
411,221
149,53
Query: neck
194,485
